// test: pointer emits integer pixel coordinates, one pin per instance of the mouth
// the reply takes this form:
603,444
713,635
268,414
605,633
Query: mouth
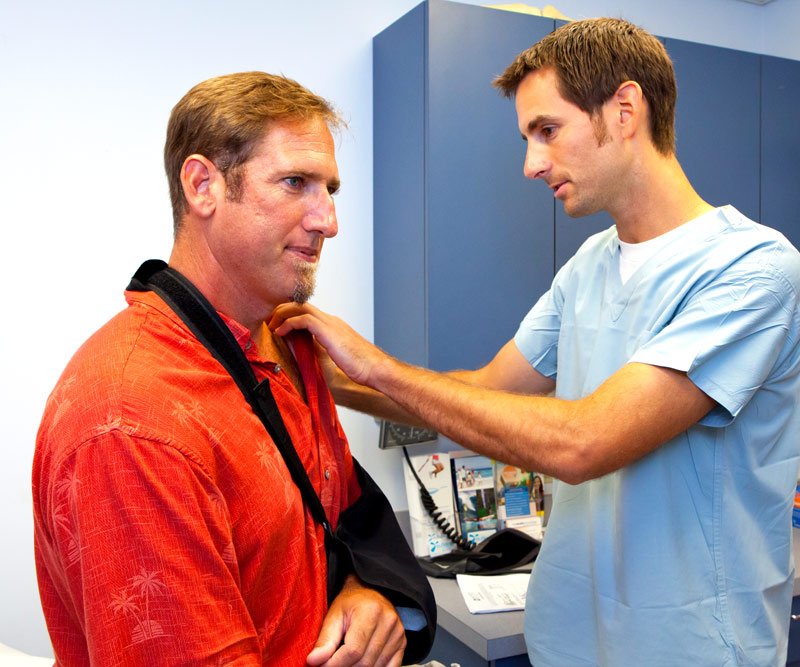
304,253
558,188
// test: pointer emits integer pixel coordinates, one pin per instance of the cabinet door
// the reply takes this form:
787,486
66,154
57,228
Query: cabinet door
716,123
398,85
489,229
780,146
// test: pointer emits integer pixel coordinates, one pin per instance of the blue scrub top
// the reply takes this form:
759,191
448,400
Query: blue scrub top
683,557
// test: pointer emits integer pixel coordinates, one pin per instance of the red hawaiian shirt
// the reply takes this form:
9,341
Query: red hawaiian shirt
167,528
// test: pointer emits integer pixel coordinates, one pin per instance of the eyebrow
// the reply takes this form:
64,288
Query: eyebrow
335,184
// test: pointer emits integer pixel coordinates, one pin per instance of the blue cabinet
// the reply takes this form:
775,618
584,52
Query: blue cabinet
717,117
780,146
463,242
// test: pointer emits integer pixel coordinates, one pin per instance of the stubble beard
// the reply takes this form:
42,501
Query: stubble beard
304,282
578,208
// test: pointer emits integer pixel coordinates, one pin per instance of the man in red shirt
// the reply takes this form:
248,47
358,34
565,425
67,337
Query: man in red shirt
167,528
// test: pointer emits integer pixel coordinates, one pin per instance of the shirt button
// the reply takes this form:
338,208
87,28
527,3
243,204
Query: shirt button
277,368
249,345
327,474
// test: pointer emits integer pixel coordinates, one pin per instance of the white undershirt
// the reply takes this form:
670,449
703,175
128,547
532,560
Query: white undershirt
633,255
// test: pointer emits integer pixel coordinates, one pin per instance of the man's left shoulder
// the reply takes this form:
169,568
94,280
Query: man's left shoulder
760,248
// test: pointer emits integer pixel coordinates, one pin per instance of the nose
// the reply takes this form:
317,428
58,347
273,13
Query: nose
321,216
536,164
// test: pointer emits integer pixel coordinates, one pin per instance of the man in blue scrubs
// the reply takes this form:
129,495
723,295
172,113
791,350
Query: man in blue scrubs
656,379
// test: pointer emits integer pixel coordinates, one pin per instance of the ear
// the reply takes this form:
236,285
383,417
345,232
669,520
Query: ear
629,108
201,185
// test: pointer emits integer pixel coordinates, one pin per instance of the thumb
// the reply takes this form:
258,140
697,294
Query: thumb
330,637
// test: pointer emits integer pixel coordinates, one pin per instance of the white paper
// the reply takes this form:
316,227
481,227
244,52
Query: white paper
502,592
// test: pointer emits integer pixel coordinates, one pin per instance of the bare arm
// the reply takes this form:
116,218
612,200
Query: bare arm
360,397
509,371
635,411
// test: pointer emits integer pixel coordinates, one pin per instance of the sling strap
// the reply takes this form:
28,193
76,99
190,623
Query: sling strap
205,323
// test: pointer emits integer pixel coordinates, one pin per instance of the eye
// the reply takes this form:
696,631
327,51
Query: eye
293,181
333,191
548,131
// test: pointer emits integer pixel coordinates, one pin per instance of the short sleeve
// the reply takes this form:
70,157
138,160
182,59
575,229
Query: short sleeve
728,337
145,544
538,333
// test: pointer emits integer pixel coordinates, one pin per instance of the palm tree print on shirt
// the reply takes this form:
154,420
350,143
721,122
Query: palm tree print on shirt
129,601
67,494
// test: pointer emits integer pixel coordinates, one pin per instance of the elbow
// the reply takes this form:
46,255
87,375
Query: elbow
573,477
584,459
575,473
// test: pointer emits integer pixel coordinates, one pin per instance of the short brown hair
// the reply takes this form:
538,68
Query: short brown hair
592,58
225,117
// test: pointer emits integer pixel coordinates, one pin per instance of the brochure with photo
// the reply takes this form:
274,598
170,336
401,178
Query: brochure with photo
476,503
520,499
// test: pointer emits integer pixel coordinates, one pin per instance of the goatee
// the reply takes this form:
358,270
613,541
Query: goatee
305,281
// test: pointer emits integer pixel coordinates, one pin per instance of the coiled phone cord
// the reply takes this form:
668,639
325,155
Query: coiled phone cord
430,507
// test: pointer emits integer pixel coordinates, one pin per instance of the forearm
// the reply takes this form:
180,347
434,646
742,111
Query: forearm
349,394
534,432
635,411
361,398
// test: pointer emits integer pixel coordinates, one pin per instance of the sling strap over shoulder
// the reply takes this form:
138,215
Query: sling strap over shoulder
204,322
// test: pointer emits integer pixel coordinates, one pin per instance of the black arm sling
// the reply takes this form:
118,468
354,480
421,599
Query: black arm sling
367,541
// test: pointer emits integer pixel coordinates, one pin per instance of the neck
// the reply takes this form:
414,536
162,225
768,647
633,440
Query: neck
659,199
225,295
227,298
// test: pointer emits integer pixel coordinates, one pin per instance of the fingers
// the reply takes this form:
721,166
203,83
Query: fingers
383,647
288,316
330,636
361,629
377,640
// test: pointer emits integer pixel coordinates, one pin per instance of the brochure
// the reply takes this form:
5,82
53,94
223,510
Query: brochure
476,503
502,592
520,499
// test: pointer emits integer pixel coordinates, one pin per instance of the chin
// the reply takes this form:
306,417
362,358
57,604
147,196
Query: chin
304,283
573,212
578,210
303,291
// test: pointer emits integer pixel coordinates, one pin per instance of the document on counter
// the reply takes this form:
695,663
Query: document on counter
502,592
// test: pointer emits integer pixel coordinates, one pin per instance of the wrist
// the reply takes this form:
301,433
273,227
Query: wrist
384,373
351,581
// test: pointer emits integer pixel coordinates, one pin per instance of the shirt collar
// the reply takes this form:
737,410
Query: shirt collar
151,299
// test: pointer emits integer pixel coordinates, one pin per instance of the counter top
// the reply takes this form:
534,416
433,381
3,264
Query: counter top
491,636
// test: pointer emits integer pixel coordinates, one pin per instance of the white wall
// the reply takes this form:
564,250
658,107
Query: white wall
86,89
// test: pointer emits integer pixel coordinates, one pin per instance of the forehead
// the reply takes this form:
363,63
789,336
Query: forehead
538,95
300,141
